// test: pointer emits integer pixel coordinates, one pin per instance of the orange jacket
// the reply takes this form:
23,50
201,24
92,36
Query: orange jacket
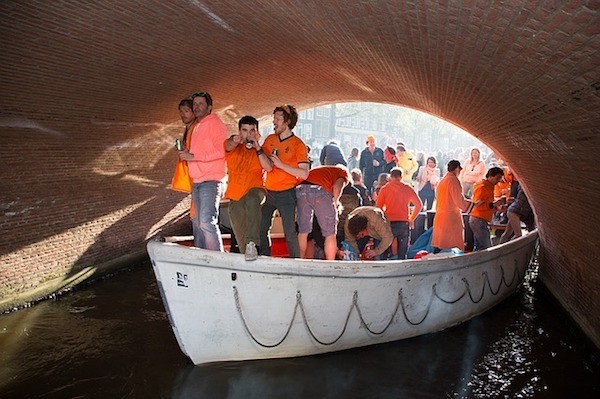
448,224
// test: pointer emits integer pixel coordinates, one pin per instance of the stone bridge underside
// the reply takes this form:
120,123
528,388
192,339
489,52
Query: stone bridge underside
89,93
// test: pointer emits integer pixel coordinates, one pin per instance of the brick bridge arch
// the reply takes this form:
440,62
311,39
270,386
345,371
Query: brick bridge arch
89,94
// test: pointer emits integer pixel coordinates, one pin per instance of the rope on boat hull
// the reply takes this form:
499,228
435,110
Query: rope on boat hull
399,303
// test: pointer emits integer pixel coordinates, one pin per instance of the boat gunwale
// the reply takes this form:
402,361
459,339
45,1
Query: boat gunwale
191,256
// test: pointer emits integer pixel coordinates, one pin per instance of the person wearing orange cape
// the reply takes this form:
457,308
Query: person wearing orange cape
181,178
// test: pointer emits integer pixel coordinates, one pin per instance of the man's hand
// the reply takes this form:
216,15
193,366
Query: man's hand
370,253
185,155
276,161
236,139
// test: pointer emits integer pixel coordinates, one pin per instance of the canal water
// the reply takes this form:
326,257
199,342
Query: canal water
111,339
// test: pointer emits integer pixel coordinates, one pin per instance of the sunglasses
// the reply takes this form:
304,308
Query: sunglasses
199,94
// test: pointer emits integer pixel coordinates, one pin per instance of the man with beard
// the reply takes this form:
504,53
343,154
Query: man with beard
206,162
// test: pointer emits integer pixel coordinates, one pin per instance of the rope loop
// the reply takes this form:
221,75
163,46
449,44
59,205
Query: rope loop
363,323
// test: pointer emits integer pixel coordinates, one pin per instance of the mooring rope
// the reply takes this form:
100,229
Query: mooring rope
363,322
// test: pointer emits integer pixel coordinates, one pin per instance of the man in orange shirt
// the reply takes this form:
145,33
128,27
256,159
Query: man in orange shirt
318,196
481,214
284,157
394,199
245,185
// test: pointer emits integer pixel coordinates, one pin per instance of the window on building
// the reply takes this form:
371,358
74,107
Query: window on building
308,131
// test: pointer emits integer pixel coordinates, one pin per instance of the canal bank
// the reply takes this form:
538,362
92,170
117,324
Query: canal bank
59,285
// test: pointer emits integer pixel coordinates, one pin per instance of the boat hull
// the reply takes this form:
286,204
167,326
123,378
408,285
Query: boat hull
224,308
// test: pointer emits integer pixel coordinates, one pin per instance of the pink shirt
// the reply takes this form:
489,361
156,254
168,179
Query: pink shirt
209,152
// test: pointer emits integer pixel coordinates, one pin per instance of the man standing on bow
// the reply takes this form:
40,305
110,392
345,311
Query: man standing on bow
245,189
206,162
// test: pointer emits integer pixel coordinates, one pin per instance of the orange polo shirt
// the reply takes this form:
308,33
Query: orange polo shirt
244,171
483,190
292,151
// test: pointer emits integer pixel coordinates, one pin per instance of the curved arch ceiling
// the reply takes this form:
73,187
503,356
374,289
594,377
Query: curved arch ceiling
523,77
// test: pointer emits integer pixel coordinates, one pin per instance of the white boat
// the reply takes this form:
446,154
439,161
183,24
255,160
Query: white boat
225,308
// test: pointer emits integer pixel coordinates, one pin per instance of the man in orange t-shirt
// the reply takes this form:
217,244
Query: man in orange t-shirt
284,157
481,214
245,183
394,199
318,196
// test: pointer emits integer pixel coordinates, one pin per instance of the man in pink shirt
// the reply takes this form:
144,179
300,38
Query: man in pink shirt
207,168
395,199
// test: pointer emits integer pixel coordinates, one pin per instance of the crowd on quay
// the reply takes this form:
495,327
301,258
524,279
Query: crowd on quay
332,206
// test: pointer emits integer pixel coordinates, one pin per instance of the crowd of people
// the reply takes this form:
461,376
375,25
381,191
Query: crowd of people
362,206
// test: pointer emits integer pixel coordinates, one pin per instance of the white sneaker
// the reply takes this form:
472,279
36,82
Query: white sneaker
251,252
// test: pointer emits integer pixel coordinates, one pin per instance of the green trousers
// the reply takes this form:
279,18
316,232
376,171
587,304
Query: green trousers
245,217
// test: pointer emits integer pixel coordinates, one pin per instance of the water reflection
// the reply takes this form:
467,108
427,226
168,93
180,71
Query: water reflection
112,339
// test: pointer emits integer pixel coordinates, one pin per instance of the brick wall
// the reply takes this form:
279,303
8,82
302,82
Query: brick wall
89,92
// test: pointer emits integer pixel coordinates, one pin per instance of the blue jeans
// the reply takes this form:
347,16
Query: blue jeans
427,195
285,203
400,231
206,197
481,233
